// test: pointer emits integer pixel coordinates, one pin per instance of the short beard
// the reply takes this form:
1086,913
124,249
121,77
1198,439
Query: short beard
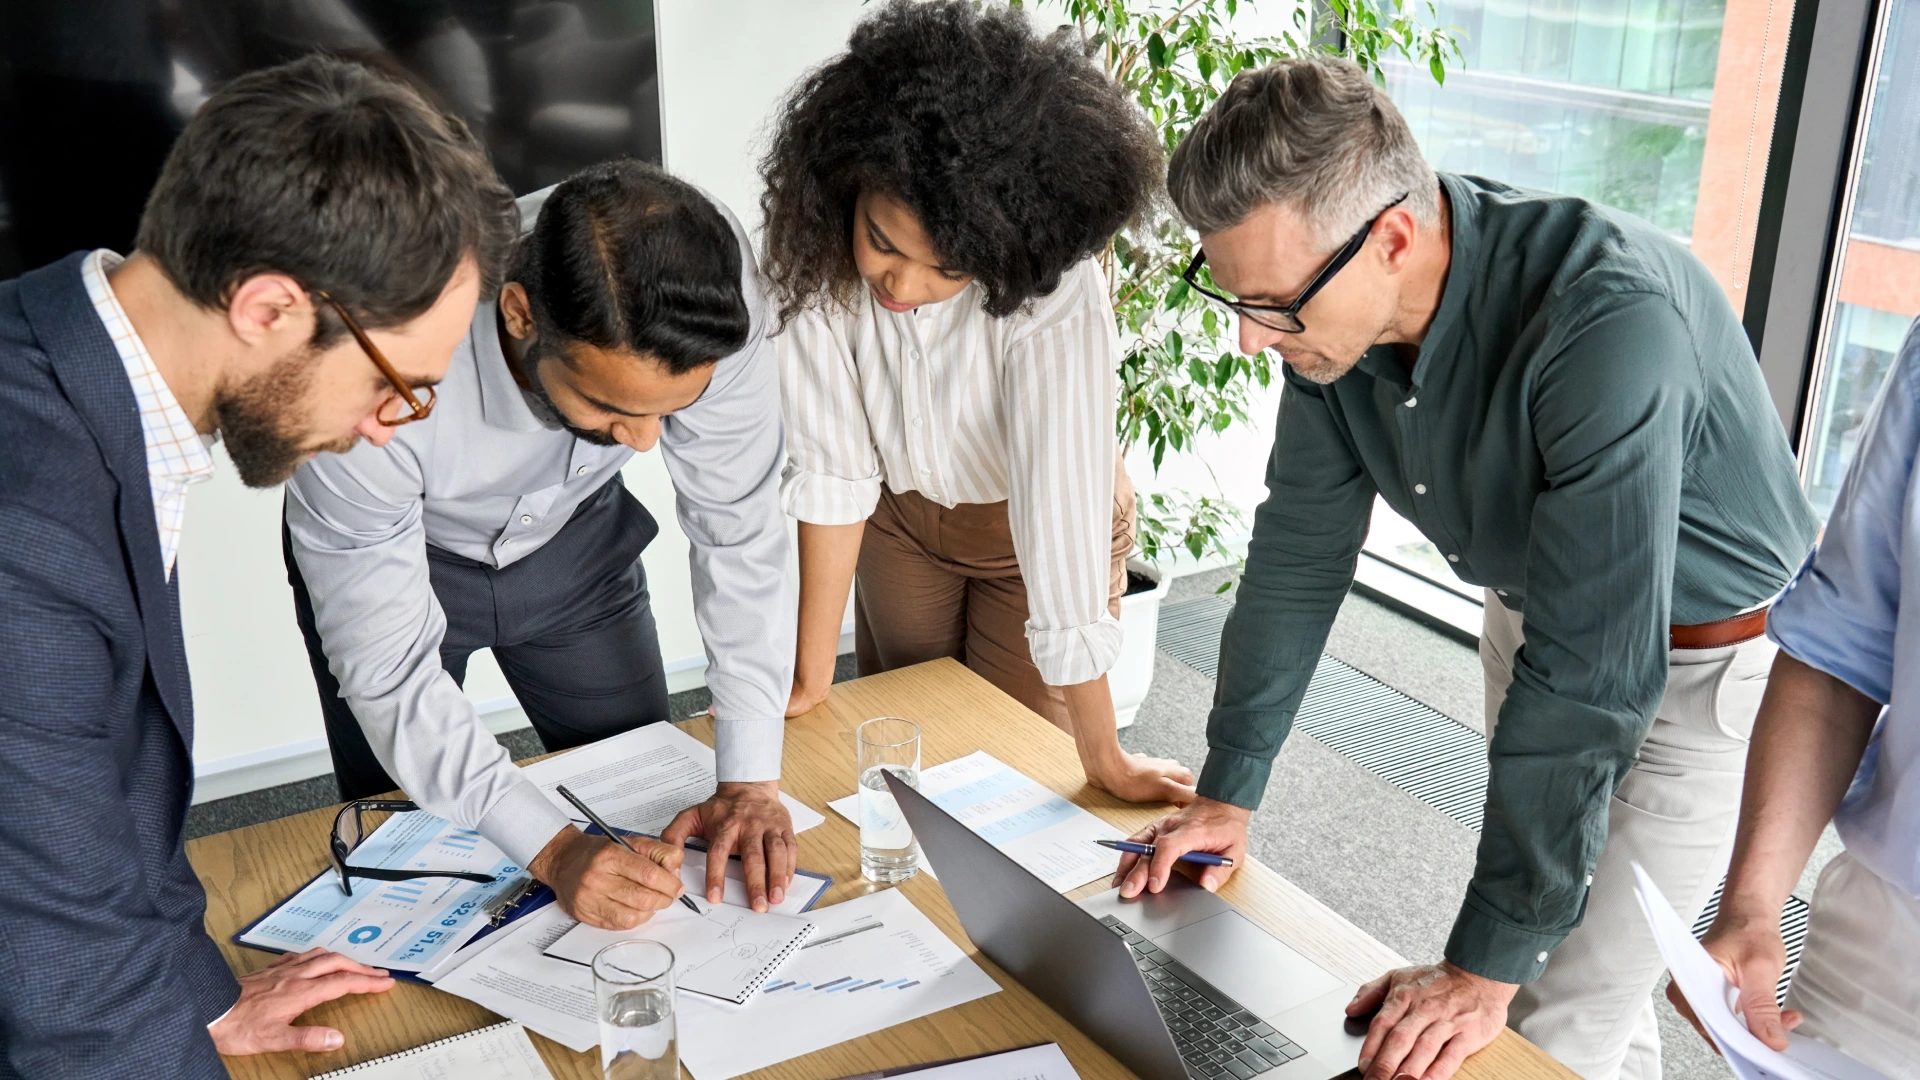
1323,373
546,411
258,418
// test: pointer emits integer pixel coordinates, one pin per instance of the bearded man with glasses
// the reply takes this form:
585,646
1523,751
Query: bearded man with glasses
309,219
1561,398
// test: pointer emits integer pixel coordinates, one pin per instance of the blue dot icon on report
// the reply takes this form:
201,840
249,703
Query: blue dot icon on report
362,935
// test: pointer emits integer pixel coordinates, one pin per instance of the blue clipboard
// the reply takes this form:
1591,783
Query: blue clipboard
536,897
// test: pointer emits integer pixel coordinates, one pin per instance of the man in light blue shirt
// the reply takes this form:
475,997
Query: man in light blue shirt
1838,737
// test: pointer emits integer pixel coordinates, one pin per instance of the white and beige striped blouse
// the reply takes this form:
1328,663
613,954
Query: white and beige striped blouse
965,408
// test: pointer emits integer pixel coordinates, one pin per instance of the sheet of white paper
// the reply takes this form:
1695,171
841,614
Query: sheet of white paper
1032,824
1047,1062
500,1052
640,779
1714,998
399,925
725,952
515,978
837,990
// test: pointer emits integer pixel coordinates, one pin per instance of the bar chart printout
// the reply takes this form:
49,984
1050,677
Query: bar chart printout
398,925
840,989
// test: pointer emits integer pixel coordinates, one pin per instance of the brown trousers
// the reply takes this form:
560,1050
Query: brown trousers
934,582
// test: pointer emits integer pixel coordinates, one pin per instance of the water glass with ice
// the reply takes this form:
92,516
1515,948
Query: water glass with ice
633,995
887,744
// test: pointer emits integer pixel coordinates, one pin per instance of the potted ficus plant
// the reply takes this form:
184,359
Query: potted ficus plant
1181,378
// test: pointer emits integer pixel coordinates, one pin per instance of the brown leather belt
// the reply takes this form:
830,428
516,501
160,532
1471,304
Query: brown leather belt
1720,632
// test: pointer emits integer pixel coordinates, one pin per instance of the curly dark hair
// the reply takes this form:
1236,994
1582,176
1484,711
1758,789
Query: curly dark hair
1017,153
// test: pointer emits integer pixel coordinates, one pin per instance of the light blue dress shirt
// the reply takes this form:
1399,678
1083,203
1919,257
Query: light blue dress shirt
1853,611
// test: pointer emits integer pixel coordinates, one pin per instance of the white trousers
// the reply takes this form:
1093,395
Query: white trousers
1674,814
1858,985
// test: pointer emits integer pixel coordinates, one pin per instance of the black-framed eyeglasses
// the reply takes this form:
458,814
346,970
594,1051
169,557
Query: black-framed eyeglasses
349,828
1287,319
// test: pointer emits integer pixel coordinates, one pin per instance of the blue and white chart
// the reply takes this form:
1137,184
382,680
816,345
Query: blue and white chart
837,989
1034,825
398,925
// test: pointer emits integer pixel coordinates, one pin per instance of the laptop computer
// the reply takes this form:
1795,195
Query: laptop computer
1177,985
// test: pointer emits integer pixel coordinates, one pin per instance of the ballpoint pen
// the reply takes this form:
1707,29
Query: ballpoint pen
1205,858
617,838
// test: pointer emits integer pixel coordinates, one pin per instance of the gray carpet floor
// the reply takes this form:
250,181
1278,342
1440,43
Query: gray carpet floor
1389,863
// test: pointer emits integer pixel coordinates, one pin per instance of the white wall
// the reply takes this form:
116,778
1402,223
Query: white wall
723,66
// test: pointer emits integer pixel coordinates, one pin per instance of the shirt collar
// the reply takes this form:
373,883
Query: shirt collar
502,403
175,449
1463,269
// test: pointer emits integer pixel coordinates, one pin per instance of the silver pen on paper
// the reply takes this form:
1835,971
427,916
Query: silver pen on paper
614,836
844,934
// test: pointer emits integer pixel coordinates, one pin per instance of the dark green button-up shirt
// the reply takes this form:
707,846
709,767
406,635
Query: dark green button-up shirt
1585,430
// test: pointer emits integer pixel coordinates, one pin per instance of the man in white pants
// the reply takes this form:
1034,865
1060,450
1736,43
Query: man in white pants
1825,748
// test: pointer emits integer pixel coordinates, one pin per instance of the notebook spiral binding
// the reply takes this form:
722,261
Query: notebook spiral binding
421,1049
799,942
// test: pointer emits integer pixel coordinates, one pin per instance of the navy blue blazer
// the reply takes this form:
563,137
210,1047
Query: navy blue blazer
105,967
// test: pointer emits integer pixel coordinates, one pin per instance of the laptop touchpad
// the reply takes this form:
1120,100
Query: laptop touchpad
1248,963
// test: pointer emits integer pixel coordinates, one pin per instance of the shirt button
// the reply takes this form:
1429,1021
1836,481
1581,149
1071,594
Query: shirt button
1453,558
1541,959
581,471
1589,880
526,519
916,421
1503,592
1412,401
1419,489
915,355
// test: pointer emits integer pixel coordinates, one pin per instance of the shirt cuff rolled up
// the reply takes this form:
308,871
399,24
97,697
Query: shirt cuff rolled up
822,499
1232,777
1489,946
523,822
748,751
1075,654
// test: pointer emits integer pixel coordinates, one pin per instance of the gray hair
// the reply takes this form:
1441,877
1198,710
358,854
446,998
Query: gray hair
1313,134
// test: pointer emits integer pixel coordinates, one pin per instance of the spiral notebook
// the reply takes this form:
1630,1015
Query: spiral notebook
725,951
500,1052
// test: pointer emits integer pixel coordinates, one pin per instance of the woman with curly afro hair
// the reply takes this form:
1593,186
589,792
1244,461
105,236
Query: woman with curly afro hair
936,197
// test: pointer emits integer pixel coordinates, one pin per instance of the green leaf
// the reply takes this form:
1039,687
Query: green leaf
1157,51
1223,370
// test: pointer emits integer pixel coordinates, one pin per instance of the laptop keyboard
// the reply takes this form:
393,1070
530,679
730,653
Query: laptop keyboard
1217,1039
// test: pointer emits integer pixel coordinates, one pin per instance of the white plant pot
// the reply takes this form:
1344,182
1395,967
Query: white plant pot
1132,674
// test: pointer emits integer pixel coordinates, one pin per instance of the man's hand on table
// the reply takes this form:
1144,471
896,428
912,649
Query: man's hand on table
262,1020
747,820
1205,825
1748,947
603,884
1430,1019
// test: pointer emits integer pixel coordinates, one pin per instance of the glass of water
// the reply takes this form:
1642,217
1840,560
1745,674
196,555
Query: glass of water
887,744
633,994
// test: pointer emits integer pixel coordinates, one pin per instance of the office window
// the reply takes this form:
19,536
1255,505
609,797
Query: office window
1661,108
1875,291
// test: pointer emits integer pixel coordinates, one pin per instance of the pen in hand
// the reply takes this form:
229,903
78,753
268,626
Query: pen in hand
1204,858
617,838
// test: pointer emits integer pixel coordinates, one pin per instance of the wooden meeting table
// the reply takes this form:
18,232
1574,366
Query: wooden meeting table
247,871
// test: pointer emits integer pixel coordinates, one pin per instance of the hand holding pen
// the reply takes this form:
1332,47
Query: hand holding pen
603,883
1204,858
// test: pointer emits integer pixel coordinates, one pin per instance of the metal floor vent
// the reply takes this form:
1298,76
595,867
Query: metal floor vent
1409,744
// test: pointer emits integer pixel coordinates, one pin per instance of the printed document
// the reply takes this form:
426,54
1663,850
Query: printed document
640,779
399,925
1045,1062
515,977
1715,1000
500,1052
1035,826
842,987
725,952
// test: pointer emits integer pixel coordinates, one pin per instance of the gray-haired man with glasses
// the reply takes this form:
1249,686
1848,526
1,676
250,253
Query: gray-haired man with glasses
1563,401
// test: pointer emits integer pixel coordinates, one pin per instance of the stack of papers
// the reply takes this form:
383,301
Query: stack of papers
1044,1062
1714,1000
500,1052
1028,821
640,779
900,968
